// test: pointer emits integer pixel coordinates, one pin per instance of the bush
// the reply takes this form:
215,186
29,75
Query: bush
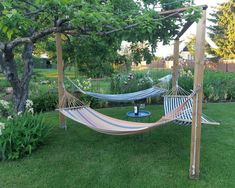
4,83
5,108
126,83
45,102
21,135
217,86
186,79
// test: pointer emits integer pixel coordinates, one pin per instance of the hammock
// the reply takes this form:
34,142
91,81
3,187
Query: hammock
108,125
174,99
153,91
165,79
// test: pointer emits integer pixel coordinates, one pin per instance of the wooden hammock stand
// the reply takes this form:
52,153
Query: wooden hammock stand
198,81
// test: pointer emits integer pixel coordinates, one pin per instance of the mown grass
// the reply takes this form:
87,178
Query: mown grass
51,73
80,157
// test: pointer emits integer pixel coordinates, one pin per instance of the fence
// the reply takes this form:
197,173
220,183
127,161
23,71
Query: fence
222,65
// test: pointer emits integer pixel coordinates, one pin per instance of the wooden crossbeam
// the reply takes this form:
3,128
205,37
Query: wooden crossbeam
184,29
180,10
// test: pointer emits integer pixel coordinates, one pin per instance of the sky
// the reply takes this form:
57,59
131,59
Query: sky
167,50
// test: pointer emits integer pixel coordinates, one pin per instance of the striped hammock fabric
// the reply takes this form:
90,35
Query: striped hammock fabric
153,91
185,118
108,125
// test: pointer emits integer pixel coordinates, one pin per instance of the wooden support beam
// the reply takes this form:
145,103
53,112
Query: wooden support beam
175,66
180,10
185,28
60,69
197,100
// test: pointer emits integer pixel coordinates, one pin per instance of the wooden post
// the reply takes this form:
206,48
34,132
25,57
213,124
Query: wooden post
60,69
197,100
175,66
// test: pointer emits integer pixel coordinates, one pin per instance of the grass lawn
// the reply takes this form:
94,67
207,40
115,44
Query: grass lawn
80,157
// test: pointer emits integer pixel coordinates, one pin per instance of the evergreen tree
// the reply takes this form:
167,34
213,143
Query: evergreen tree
192,43
223,30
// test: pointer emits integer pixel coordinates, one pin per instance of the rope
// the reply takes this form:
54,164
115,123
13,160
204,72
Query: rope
68,100
80,90
177,91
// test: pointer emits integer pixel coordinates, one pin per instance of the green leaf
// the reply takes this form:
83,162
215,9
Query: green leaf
4,29
9,34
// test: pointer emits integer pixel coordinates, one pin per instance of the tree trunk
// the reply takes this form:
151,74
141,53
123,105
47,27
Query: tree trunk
20,95
20,86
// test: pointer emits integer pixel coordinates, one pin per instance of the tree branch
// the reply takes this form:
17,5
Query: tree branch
166,14
2,46
38,35
35,12
180,10
135,25
67,28
29,3
1,60
20,7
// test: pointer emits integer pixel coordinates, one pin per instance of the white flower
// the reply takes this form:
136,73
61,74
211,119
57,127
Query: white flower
31,110
19,113
4,104
29,104
9,118
2,126
85,84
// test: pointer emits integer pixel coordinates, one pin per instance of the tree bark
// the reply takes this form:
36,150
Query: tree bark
9,68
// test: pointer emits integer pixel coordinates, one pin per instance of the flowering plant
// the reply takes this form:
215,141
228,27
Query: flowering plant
29,106
84,84
122,83
186,73
21,134
2,126
4,108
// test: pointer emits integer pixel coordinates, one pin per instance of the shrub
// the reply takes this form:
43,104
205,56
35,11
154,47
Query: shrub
96,103
217,86
126,83
4,108
186,79
45,102
4,83
21,135
83,84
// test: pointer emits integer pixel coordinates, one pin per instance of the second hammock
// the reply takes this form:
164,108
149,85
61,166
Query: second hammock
150,92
